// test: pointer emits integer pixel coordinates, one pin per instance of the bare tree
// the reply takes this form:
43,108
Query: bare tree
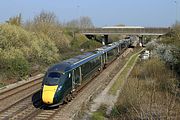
45,17
72,24
17,20
82,22
85,22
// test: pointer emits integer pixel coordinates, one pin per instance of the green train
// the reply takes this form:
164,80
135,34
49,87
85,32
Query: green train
62,81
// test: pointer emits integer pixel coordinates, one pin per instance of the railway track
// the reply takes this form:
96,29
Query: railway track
30,105
18,97
24,109
41,112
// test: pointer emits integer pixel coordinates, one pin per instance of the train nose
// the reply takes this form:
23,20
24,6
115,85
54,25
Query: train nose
48,94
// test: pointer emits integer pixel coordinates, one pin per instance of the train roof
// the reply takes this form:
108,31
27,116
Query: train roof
72,63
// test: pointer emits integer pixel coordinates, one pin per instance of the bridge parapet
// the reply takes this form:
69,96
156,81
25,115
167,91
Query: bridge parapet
126,31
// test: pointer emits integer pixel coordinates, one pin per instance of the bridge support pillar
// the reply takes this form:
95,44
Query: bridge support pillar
141,40
105,40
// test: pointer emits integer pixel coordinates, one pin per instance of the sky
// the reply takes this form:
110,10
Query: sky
146,13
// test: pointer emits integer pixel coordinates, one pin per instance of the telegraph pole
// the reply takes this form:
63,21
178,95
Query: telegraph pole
176,2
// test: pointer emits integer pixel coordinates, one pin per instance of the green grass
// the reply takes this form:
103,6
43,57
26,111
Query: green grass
100,113
97,116
1,85
123,74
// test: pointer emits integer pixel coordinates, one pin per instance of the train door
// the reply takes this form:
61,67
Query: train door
102,61
104,58
76,77
118,49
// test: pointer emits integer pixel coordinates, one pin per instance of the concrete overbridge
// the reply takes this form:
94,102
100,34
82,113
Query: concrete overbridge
126,30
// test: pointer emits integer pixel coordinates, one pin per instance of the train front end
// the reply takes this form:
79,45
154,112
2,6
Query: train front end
51,89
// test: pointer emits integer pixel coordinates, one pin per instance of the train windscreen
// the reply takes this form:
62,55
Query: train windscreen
54,75
52,78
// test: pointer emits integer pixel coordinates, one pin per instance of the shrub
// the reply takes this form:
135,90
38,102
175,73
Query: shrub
151,45
12,35
78,41
34,46
120,110
156,70
46,23
147,93
20,48
19,66
90,44
13,63
100,114
44,50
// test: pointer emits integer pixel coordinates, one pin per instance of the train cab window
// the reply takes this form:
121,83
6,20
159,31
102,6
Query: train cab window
52,78
54,75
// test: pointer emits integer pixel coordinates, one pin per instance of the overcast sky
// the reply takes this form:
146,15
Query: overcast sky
148,13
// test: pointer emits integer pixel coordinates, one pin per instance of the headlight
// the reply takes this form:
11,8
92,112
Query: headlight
59,88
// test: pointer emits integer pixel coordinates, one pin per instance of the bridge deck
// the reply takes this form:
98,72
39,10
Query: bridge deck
126,31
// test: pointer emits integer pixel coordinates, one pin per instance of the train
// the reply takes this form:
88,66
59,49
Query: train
62,80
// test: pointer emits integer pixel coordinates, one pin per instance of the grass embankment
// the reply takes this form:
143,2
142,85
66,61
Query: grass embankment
150,93
123,75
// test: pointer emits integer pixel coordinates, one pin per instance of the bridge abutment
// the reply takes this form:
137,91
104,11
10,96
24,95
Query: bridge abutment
141,40
106,39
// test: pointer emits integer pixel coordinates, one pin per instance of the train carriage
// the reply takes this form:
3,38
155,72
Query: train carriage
64,79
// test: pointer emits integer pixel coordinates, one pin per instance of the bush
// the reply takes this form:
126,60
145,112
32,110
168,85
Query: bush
78,41
120,110
19,67
20,48
13,63
34,47
156,70
44,50
90,44
148,93
100,114
46,23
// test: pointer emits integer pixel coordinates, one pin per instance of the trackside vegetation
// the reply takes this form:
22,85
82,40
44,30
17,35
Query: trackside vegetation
123,75
150,93
28,48
152,90
20,49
